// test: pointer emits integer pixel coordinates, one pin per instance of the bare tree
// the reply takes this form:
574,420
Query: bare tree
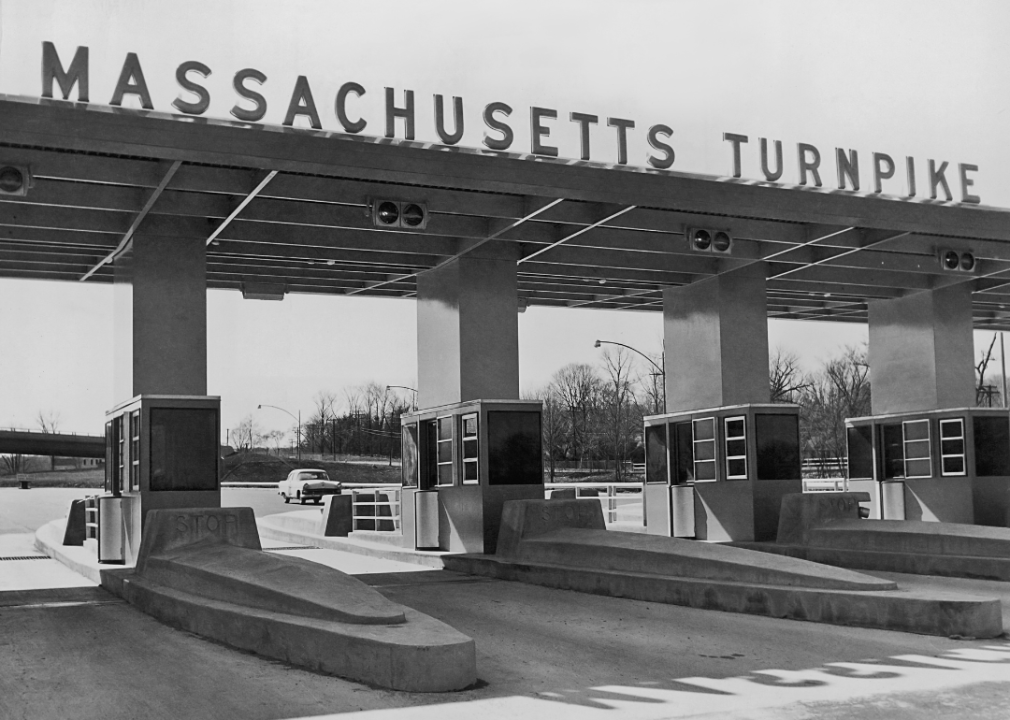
248,434
984,392
619,418
49,422
553,425
578,388
840,390
784,377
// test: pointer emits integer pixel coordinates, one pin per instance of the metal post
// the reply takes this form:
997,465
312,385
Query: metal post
299,437
1002,357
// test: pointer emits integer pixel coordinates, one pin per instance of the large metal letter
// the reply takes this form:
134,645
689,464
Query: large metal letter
200,106
52,69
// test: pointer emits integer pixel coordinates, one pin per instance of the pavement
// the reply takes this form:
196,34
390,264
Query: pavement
69,649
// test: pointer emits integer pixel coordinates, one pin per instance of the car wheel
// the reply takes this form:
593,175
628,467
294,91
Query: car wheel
301,500
318,500
286,498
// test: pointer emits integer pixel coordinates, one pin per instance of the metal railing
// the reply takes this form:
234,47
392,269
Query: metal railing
614,496
375,508
836,484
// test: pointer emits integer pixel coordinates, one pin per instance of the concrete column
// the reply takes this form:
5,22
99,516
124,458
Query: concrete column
922,351
161,317
715,334
468,329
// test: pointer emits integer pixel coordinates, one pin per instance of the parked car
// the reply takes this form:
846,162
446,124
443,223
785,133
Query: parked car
307,484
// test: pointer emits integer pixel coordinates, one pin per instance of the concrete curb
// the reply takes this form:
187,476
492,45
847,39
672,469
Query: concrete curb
963,566
49,540
281,528
934,614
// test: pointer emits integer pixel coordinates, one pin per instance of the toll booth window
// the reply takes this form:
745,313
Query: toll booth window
892,446
429,477
514,448
470,445
992,445
918,463
444,450
736,448
859,444
409,468
777,437
135,450
655,454
683,445
704,450
184,449
111,448
121,449
952,460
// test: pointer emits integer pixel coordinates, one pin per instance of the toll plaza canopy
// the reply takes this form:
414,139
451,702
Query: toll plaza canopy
291,210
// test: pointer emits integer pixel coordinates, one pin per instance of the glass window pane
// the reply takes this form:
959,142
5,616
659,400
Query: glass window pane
860,451
952,447
736,448
992,446
917,468
515,449
469,426
916,449
894,454
953,466
737,468
778,446
704,450
469,449
705,470
704,429
951,428
685,452
445,452
408,465
184,449
655,453
445,428
470,471
734,428
445,474
916,430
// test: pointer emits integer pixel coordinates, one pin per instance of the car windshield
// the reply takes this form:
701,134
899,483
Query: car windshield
314,476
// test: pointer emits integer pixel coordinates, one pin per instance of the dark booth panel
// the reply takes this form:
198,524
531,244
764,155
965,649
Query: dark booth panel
992,446
683,442
514,448
860,442
655,453
184,449
409,455
778,446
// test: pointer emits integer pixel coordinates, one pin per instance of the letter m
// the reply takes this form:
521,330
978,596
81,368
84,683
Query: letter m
52,69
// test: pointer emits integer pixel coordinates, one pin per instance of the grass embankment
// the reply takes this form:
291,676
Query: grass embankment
242,467
254,467
90,478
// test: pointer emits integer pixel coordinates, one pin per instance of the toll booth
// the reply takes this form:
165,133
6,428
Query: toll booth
720,474
162,451
461,462
940,465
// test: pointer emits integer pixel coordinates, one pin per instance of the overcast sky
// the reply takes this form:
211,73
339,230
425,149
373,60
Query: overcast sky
916,78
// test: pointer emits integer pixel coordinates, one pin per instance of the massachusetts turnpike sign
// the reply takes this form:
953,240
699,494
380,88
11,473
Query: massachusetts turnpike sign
251,107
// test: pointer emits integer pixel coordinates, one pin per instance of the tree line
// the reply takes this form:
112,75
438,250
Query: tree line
593,414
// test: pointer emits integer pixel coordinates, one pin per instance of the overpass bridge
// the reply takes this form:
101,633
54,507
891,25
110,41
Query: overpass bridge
64,445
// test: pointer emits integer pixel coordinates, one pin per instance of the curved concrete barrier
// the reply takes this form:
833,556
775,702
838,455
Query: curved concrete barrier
910,546
202,570
564,544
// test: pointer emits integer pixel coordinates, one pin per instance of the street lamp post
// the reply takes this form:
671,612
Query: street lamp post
660,371
298,448
406,387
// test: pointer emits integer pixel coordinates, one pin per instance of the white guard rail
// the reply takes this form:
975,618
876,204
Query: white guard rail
612,496
367,502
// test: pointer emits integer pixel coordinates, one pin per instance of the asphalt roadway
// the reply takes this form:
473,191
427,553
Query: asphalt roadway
80,653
